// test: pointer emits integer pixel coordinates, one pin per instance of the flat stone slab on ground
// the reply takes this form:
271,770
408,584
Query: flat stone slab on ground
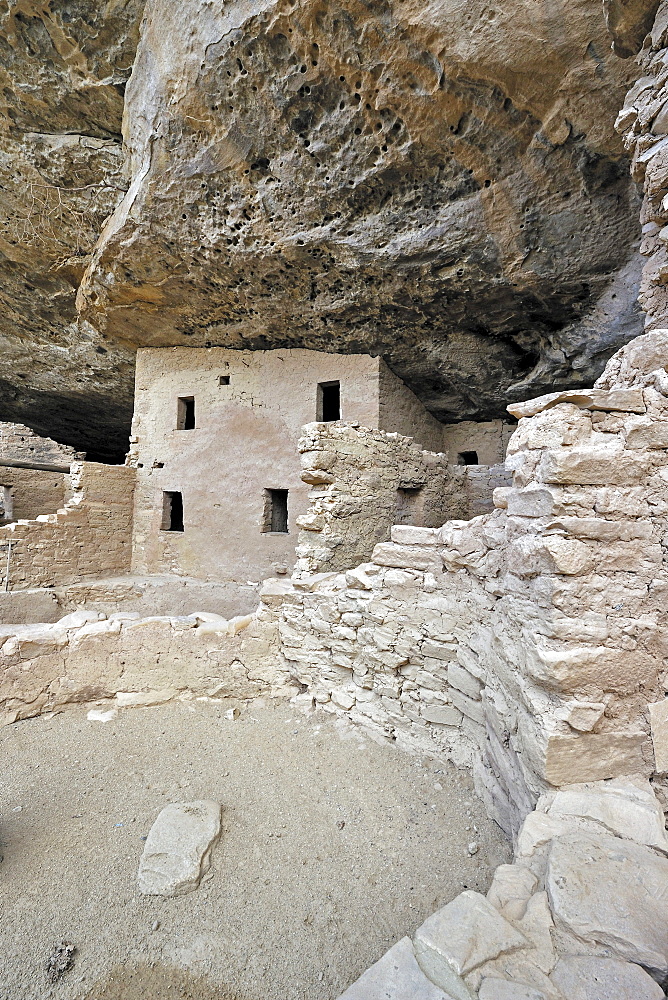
461,936
178,848
502,989
582,978
612,892
396,976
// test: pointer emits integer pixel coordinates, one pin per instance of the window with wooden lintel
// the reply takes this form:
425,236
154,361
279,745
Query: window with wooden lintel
329,401
185,414
275,517
172,511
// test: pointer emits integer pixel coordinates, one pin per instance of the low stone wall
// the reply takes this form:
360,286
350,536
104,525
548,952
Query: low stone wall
89,537
136,661
580,915
479,483
362,482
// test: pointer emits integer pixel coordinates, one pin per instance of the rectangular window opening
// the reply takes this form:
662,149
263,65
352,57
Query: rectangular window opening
467,458
6,503
185,417
275,511
409,508
329,401
172,511
223,380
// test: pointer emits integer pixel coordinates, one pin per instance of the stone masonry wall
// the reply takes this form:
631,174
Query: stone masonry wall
488,438
643,122
362,482
89,537
20,444
30,492
529,641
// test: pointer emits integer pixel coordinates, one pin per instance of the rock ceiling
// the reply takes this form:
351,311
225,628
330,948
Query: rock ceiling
437,182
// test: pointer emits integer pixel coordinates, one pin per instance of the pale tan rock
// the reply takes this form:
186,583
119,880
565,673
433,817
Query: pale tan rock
627,809
611,892
658,715
396,976
582,715
461,936
511,889
177,852
630,400
581,977
406,557
593,757
503,989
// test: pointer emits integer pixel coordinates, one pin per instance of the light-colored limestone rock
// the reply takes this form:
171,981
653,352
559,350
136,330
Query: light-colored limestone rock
511,890
396,976
503,989
611,892
177,852
629,810
584,978
461,936
658,715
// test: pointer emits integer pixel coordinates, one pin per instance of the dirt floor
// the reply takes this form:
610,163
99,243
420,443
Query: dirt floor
333,848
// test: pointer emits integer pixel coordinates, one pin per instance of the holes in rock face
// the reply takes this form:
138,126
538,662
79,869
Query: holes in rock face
185,413
172,511
275,518
328,404
223,380
467,458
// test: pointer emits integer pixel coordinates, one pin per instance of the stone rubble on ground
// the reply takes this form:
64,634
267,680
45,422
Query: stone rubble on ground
177,852
581,914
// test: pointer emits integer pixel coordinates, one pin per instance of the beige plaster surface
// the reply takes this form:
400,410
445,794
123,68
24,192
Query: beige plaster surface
245,441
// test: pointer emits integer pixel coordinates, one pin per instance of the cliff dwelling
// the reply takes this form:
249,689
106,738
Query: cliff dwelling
333,501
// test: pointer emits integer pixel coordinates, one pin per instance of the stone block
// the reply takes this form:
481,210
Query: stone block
503,989
442,715
581,977
467,706
459,938
658,716
396,976
406,557
511,890
592,465
462,680
178,848
408,534
624,400
628,809
613,893
579,757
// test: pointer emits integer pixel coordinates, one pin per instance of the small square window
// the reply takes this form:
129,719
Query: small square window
467,458
223,380
275,517
329,401
172,511
185,414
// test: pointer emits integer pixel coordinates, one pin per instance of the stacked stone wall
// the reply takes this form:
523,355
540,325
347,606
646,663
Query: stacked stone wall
89,537
20,443
529,641
362,481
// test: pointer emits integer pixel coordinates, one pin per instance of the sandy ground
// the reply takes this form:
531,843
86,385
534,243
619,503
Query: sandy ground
333,848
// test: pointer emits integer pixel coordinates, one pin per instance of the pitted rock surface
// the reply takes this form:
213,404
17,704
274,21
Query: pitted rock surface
441,185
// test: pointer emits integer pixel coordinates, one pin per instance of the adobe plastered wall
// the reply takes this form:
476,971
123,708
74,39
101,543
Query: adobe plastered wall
488,438
362,481
245,441
89,537
400,410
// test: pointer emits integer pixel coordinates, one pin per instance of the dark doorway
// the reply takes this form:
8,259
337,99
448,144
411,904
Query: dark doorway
172,511
467,458
329,401
185,417
276,511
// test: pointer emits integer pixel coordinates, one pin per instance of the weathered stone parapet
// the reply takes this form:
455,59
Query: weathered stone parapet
137,661
362,482
89,537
